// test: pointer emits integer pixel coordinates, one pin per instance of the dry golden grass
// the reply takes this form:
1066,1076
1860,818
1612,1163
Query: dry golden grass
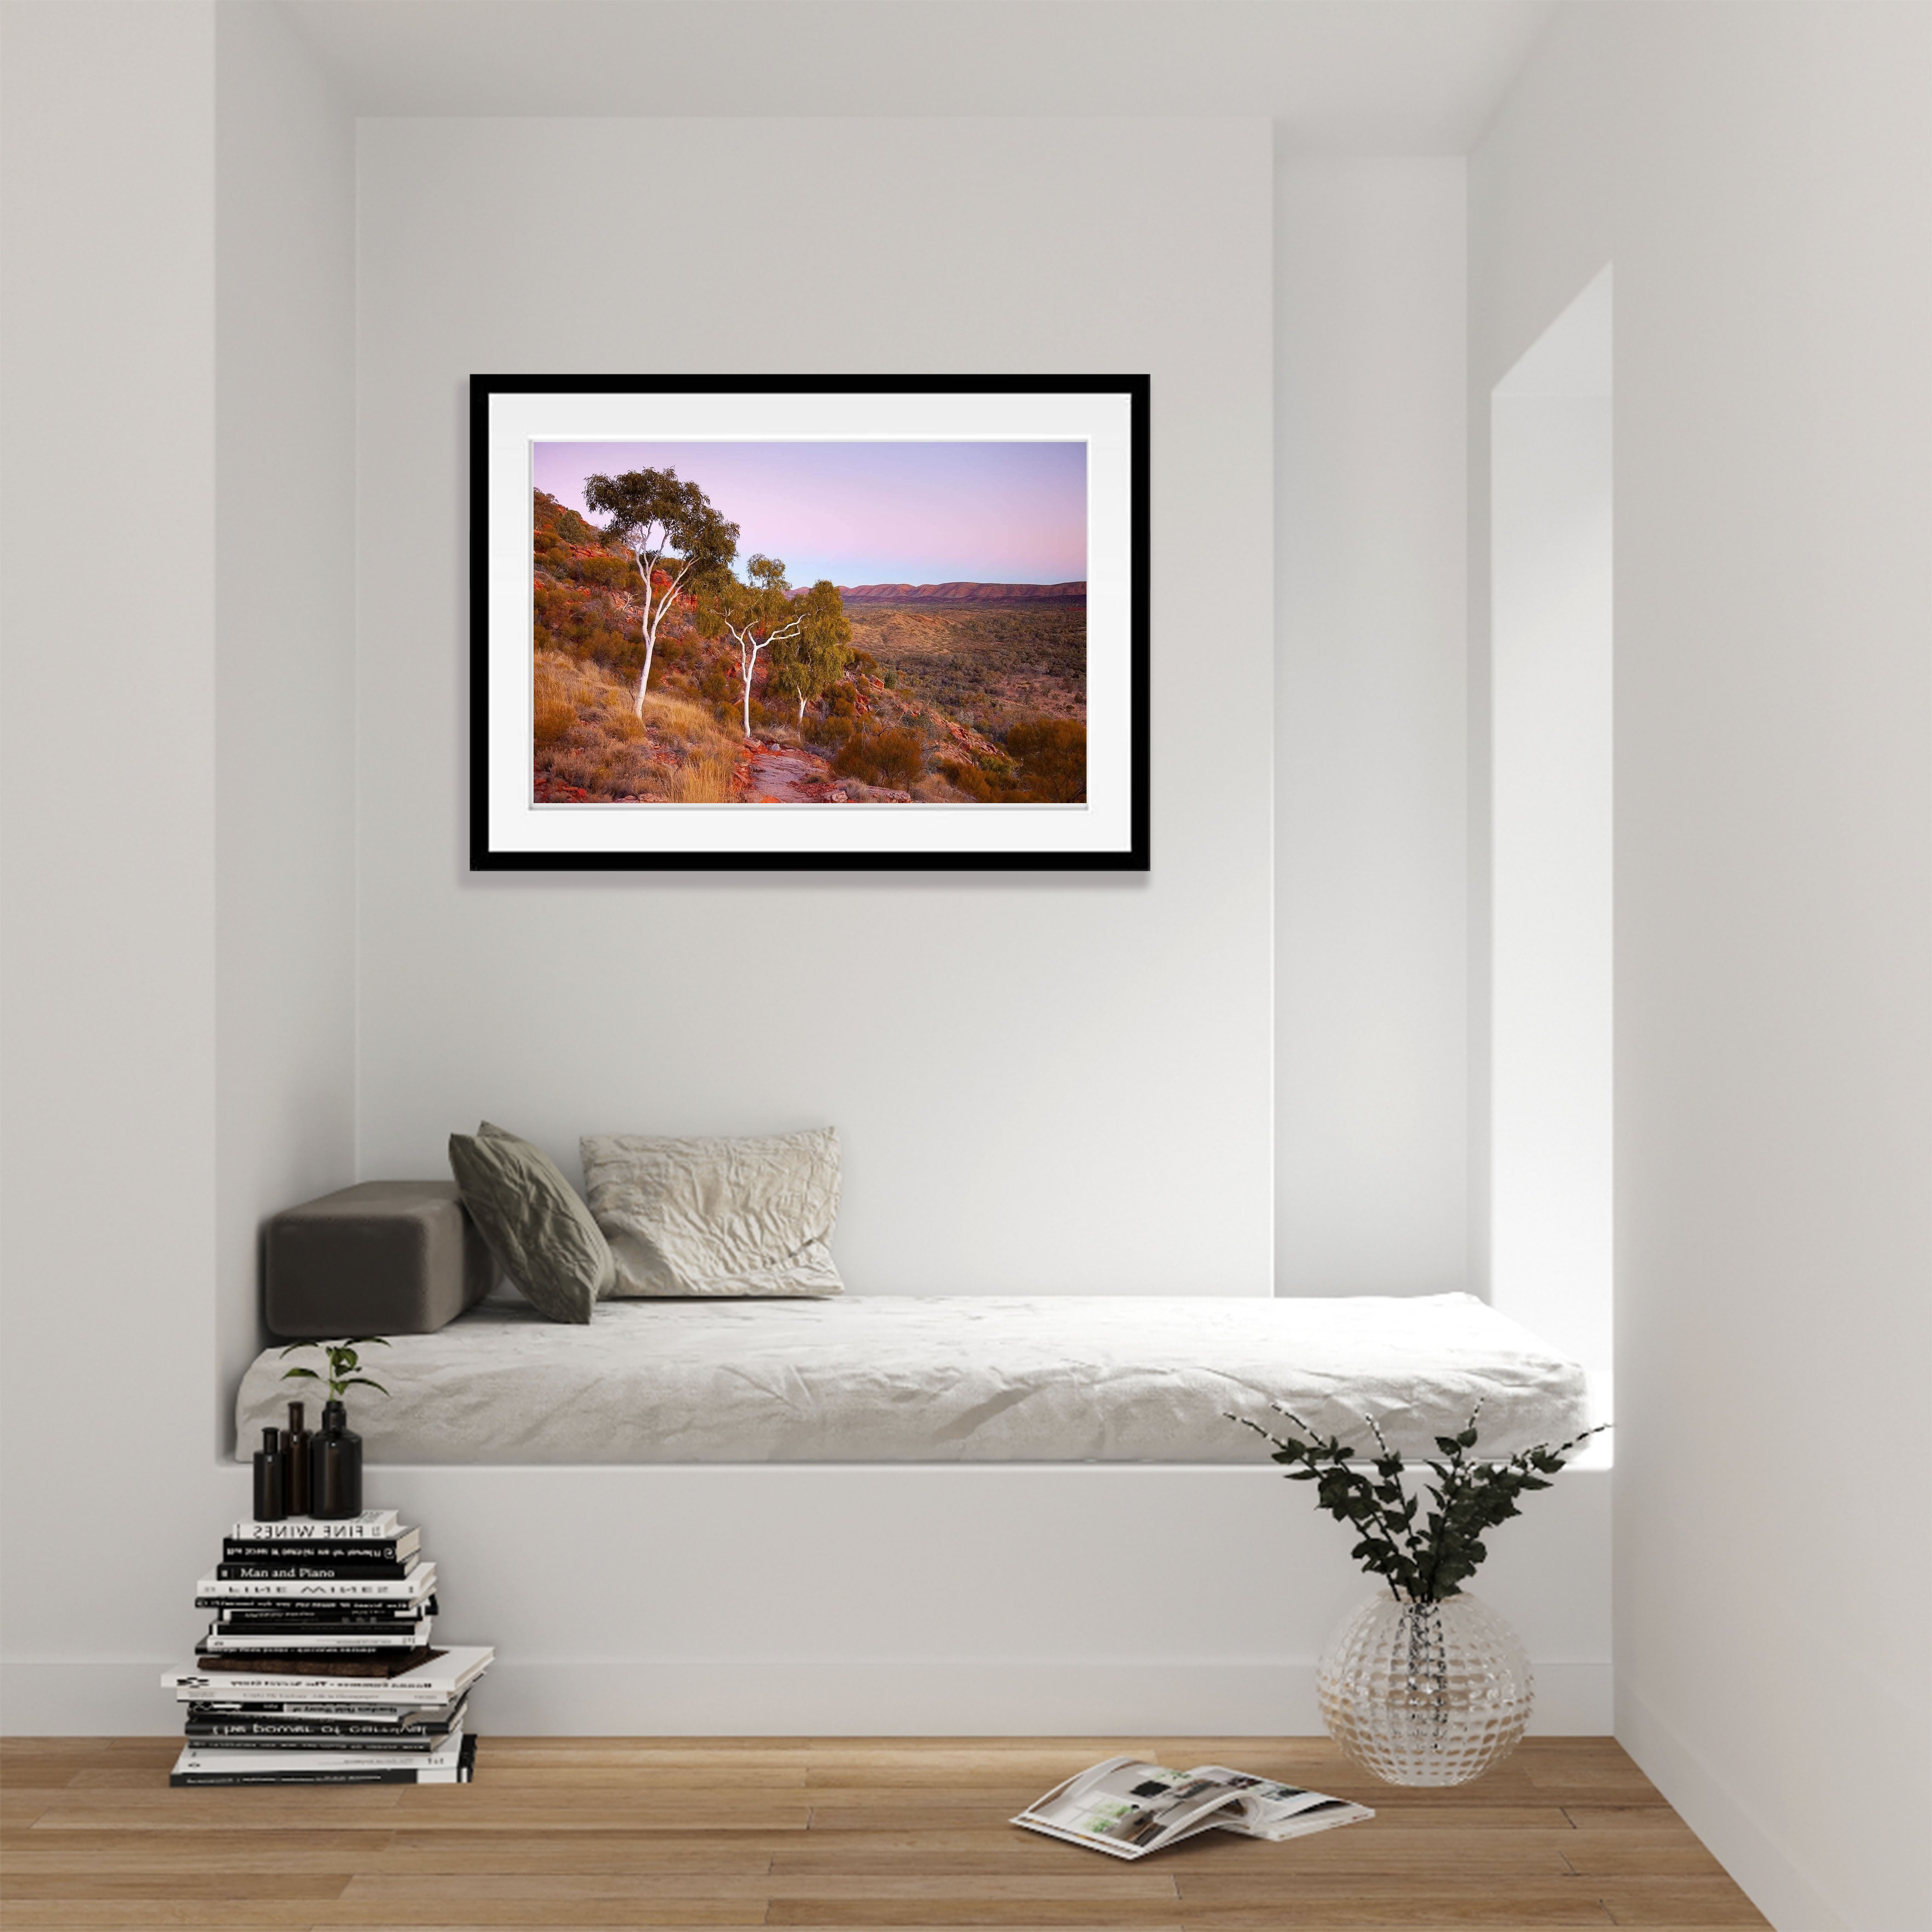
706,779
556,713
588,732
678,721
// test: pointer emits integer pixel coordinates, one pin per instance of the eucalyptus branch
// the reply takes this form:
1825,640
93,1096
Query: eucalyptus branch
1470,1496
1400,1537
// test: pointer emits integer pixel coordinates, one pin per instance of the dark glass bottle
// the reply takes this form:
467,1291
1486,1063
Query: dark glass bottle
335,1465
295,1439
271,1503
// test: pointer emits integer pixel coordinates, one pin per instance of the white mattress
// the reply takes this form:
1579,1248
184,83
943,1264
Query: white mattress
892,1378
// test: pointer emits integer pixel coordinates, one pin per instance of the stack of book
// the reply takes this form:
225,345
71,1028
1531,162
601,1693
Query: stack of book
317,1668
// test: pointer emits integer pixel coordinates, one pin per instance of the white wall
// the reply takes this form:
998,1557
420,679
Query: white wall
285,660
1551,1182
1762,179
108,385
1373,1164
178,381
1056,1084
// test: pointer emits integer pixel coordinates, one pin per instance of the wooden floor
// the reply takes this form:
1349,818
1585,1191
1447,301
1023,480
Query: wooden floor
658,1832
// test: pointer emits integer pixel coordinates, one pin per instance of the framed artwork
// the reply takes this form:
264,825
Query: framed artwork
790,622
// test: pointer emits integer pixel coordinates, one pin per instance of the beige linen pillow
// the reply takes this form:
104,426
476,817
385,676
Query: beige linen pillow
713,1216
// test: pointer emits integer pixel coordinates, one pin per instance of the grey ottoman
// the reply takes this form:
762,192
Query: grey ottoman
383,1257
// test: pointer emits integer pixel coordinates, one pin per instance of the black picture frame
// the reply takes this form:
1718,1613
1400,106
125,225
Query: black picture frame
1109,834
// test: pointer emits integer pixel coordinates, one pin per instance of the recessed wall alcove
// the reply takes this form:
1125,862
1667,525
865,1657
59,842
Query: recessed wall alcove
1018,1068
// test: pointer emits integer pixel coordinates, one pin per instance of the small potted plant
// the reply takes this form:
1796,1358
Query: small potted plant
335,1456
1426,1685
343,1368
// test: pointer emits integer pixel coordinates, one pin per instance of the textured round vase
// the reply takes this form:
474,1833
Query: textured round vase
1425,1693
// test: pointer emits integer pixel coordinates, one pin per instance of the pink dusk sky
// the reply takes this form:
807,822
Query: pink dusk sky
863,512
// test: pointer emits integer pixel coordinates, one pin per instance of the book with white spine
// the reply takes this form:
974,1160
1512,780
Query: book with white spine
386,1717
259,1727
419,1583
439,1680
371,1526
450,1763
226,1640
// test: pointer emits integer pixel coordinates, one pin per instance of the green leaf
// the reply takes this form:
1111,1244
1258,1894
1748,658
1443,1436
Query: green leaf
306,1374
363,1382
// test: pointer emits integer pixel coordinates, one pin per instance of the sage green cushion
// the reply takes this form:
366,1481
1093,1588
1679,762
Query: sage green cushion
538,1229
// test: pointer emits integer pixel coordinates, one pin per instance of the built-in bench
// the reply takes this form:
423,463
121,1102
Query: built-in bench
859,1379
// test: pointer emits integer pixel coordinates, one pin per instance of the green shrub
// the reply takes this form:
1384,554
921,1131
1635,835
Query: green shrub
970,779
1052,756
893,759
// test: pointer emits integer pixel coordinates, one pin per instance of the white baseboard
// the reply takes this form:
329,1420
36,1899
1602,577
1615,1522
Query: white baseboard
1734,1837
957,1697
683,1696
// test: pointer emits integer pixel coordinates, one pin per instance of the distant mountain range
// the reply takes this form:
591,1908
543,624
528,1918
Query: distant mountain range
964,593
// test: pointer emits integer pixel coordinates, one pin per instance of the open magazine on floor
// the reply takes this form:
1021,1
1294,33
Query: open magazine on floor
1129,1807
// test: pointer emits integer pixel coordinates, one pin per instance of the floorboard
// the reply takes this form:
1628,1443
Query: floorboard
891,1836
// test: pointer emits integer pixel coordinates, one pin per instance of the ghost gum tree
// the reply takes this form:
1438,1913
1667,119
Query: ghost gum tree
756,614
678,541
810,663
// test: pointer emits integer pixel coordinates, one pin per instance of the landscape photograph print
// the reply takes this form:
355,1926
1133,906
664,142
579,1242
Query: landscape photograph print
825,622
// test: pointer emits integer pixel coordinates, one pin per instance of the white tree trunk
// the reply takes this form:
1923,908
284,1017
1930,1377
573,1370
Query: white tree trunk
748,648
650,645
643,560
655,604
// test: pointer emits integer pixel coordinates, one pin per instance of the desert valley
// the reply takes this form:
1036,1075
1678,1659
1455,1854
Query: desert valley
957,693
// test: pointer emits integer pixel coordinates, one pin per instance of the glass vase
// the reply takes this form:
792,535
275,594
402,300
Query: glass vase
1425,1693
